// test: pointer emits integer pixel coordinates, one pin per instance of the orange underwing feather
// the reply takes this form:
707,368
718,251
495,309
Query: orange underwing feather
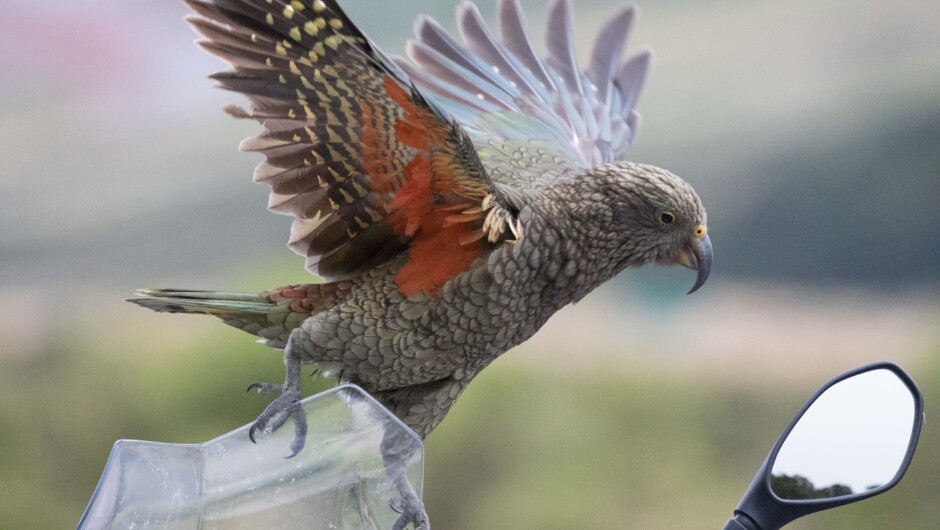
440,248
437,256
414,196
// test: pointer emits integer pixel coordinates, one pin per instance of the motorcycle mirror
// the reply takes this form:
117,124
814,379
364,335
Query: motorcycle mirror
853,439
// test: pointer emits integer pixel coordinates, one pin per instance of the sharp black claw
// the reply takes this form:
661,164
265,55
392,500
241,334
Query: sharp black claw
410,511
400,523
300,429
296,446
253,386
251,433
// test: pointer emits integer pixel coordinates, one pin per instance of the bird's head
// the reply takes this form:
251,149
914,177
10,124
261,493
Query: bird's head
658,217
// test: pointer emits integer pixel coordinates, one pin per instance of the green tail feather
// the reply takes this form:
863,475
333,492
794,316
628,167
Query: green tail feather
254,313
217,303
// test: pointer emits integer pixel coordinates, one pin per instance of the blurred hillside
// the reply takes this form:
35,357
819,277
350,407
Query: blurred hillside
811,129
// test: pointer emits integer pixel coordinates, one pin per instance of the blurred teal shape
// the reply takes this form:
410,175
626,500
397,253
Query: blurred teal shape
337,481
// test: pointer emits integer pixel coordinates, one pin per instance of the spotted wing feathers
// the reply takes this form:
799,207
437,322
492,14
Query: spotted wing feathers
368,167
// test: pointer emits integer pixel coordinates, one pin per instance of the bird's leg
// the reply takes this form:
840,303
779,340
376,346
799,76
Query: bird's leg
397,449
409,506
287,405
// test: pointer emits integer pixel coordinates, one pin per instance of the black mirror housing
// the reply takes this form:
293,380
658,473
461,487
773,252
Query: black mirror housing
761,509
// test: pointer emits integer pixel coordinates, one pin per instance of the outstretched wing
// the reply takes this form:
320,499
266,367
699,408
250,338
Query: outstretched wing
367,166
508,97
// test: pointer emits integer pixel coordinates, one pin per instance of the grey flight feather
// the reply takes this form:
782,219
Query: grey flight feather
515,33
487,80
608,49
560,43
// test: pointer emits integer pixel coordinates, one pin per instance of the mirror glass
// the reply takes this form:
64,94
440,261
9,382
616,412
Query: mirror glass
852,439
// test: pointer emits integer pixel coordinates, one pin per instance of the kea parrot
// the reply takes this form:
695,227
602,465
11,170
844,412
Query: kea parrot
453,201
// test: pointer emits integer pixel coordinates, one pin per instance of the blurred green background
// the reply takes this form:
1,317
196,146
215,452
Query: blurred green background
811,129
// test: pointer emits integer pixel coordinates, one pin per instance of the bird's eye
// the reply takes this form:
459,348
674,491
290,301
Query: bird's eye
667,217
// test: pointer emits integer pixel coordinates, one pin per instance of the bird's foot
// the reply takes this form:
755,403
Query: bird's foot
412,511
276,414
286,406
398,448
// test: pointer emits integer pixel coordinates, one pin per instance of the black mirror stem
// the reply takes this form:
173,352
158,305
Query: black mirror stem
740,522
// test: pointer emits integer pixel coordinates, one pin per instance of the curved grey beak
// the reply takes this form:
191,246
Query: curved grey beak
698,256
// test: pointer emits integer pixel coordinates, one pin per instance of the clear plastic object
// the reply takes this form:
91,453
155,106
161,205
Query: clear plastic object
337,481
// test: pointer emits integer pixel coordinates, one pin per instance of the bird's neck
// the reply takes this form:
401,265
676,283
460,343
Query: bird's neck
589,251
